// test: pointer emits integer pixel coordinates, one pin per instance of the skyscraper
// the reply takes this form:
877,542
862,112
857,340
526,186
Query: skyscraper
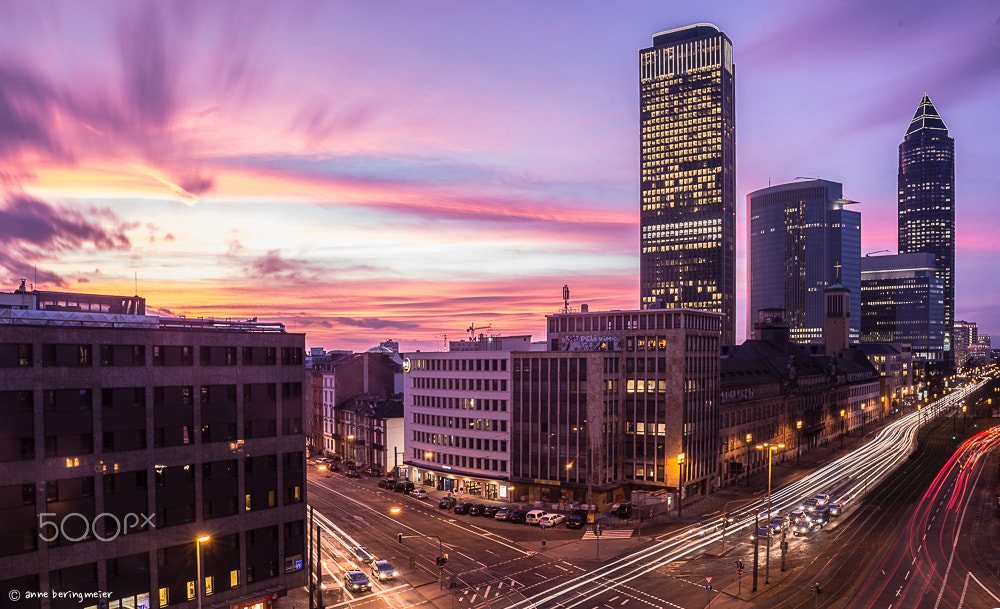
687,153
802,239
902,302
927,200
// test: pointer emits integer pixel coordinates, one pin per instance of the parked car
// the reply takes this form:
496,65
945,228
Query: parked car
835,508
373,471
403,486
490,510
461,508
446,503
355,581
419,493
361,555
352,473
384,483
516,516
382,570
502,514
576,519
551,520
822,499
475,509
534,516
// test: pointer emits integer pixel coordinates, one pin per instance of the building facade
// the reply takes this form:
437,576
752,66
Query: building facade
668,391
902,301
687,126
802,239
458,421
965,337
927,202
127,437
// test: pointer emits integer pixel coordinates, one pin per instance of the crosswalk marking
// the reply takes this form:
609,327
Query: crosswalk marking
609,534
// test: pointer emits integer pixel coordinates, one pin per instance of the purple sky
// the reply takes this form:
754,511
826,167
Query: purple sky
404,170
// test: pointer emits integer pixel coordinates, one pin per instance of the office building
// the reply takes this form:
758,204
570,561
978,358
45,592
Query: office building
687,126
927,202
902,301
667,402
965,338
125,438
803,239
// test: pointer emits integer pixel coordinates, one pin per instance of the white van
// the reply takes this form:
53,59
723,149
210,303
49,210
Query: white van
534,516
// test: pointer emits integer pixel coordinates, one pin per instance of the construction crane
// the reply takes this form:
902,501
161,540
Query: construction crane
473,329
443,337
877,252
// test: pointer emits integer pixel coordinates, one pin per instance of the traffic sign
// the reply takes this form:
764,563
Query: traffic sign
739,572
541,526
708,579
709,587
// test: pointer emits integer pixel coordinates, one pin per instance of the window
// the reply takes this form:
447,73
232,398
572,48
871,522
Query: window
234,578
191,589
164,597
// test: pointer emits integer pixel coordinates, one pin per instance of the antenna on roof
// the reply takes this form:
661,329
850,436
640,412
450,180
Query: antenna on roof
566,298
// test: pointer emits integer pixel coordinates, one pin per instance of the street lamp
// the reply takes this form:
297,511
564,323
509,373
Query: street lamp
747,473
680,481
350,448
963,418
770,448
798,443
843,414
201,540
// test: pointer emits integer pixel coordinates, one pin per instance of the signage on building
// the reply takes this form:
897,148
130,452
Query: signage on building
736,395
589,343
263,602
406,365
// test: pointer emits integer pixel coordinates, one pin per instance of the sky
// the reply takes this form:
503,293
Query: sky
365,171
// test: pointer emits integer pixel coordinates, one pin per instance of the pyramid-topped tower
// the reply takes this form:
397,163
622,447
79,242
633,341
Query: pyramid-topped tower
927,201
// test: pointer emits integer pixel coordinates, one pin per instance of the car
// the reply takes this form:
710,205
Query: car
576,519
820,516
361,555
419,493
809,504
352,473
778,523
551,520
446,503
382,570
622,510
835,508
796,515
502,514
490,510
403,486
534,516
516,516
475,509
383,483
821,499
461,508
762,532
373,471
804,526
355,581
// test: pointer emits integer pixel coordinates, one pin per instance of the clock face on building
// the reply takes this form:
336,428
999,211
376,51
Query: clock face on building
406,365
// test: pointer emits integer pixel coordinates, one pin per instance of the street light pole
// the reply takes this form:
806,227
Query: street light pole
201,539
798,443
843,414
680,482
747,473
770,448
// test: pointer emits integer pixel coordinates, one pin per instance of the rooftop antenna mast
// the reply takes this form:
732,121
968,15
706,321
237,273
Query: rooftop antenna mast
566,298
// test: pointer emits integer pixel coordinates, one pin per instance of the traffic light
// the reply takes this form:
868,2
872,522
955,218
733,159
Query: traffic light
739,564
441,561
815,588
399,536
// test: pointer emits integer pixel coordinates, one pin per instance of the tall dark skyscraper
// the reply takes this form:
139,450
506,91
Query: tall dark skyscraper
927,200
802,239
687,125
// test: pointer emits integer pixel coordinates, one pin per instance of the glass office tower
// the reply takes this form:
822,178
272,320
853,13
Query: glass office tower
802,239
688,173
927,200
